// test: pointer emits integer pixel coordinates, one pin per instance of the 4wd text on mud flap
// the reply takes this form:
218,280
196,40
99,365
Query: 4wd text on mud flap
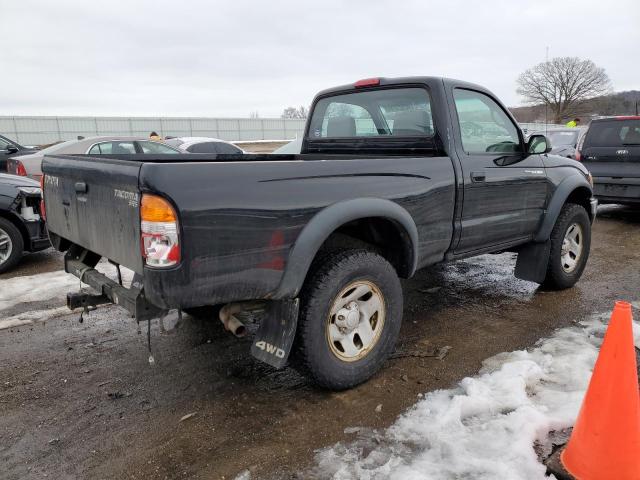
272,349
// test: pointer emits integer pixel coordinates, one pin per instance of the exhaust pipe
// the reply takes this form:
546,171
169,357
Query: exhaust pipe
230,321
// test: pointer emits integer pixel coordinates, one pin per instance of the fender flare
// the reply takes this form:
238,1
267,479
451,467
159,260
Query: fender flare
325,222
563,190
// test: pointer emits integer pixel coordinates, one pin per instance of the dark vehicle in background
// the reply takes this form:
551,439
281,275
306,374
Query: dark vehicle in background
203,145
31,165
8,149
394,175
22,228
610,149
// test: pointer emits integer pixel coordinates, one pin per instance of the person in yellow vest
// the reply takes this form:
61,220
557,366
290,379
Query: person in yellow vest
573,123
155,137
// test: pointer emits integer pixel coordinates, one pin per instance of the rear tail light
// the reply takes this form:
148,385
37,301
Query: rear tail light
43,212
159,232
20,170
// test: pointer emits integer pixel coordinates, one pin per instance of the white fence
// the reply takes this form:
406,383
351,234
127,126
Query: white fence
46,130
529,128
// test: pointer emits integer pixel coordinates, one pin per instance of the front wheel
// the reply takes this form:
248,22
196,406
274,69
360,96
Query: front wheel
351,311
11,245
570,245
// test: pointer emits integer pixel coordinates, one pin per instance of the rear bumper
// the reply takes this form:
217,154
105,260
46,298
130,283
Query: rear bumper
617,190
81,263
38,236
621,200
38,244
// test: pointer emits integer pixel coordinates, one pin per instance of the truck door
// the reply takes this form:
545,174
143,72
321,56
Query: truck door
504,188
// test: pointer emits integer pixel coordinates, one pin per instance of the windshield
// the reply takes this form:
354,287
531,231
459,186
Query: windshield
613,133
563,138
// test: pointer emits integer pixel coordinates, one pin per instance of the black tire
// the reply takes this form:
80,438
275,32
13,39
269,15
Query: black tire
328,277
557,277
16,241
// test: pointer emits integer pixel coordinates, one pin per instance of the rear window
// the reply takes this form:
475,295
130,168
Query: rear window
213,147
563,138
613,133
374,113
150,147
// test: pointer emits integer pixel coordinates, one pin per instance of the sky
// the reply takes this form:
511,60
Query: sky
230,58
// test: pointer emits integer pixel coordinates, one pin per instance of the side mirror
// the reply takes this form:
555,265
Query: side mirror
12,148
538,144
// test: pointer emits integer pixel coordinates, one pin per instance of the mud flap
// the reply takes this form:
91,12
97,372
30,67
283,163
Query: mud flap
532,262
273,341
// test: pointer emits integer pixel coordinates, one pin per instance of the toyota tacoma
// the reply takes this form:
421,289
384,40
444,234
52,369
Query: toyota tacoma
394,175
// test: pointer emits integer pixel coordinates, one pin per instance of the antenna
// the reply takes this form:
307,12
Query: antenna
546,104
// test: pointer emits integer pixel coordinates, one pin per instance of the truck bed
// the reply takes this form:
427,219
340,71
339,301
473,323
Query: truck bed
239,215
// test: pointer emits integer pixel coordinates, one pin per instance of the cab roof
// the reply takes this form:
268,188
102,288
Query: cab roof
386,81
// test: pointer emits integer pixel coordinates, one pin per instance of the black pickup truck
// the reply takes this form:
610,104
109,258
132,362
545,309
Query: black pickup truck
394,175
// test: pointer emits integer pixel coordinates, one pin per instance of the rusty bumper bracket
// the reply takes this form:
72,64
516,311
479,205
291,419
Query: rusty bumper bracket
81,263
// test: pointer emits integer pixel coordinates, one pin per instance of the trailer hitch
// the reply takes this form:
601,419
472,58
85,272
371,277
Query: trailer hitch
85,300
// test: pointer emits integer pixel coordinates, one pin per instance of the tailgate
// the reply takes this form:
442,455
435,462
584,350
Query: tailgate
615,170
622,161
94,203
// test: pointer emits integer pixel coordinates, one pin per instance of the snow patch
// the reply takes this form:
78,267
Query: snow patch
487,426
49,286
28,318
35,288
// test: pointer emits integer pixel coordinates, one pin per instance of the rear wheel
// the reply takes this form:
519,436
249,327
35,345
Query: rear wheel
11,245
350,316
570,245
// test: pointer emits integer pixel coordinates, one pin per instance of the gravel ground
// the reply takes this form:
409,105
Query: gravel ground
82,400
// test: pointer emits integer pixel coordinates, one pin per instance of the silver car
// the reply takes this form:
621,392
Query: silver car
563,140
31,165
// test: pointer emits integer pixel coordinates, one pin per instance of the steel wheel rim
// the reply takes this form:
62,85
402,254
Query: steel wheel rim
6,246
572,246
355,321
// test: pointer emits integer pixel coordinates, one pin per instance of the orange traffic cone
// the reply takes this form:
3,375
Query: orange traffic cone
605,442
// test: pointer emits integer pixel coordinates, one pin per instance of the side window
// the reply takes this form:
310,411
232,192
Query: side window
3,144
155,147
484,126
112,148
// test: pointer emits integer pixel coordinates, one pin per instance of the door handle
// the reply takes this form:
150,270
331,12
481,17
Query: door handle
81,187
478,176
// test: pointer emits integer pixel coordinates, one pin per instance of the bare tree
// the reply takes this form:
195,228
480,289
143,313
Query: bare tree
293,112
562,84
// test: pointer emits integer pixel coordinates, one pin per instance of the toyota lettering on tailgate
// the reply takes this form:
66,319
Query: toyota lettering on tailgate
131,197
